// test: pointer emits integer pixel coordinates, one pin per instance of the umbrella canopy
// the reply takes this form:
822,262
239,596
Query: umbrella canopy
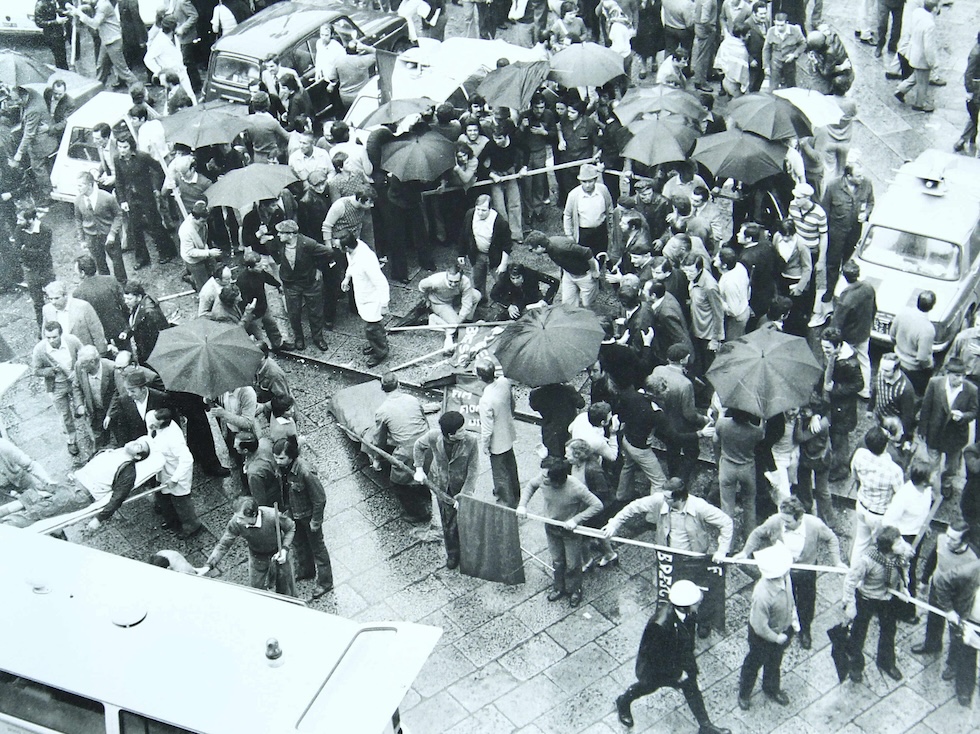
513,85
17,69
585,65
740,155
243,187
656,100
206,124
764,373
205,357
417,157
548,345
839,635
771,117
660,141
820,109
397,110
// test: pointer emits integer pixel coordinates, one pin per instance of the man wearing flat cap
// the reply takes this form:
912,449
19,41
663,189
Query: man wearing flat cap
588,211
194,249
948,408
298,258
666,656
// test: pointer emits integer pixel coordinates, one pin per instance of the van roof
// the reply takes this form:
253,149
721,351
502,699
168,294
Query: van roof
208,638
950,214
281,25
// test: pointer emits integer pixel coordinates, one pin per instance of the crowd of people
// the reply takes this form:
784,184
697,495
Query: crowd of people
677,267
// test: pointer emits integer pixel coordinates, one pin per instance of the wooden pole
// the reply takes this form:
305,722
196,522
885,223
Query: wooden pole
440,495
424,357
172,296
444,327
511,177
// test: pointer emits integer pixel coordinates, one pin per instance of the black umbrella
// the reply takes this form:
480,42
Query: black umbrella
418,157
839,635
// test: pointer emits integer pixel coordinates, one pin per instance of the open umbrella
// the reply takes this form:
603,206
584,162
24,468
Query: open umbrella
243,187
397,110
641,101
206,124
585,65
548,345
17,69
740,155
771,117
416,157
512,85
764,373
660,141
205,357
820,109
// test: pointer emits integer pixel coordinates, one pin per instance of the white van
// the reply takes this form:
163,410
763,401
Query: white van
101,644
78,151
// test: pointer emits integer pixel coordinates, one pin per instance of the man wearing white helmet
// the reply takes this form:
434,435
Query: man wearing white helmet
666,657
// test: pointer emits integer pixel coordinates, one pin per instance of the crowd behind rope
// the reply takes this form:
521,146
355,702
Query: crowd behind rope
691,264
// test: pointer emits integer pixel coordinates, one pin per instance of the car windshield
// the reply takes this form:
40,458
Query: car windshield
235,70
912,253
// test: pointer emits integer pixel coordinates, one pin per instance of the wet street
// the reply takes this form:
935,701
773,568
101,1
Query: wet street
510,661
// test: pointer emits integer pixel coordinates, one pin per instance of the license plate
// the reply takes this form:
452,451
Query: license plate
7,24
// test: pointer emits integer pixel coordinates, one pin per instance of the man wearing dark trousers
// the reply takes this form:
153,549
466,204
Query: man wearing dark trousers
666,657
139,179
298,257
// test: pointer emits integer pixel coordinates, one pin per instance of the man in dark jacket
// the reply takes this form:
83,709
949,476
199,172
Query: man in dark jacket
666,657
297,256
956,591
854,316
948,408
105,294
760,259
840,384
971,82
139,179
485,240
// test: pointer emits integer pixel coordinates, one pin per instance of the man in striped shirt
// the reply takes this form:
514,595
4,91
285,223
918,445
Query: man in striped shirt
811,229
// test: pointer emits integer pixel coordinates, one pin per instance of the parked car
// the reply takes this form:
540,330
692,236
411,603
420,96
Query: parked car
449,71
924,234
290,30
78,151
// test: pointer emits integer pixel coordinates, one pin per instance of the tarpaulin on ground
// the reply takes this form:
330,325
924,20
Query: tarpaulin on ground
354,407
464,397
708,575
490,544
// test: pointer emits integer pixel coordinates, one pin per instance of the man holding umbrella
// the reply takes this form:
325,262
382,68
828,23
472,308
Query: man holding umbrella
666,656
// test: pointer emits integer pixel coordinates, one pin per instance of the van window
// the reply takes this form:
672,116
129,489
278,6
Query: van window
130,723
49,707
235,70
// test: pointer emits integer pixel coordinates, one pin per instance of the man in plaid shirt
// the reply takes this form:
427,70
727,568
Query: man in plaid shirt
878,478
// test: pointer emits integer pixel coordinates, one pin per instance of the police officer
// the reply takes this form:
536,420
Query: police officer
666,657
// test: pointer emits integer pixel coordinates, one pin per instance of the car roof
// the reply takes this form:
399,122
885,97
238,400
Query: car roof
281,25
949,212
107,107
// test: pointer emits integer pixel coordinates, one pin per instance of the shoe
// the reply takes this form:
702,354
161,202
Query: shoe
623,710
375,361
186,534
165,260
877,53
712,729
704,88
818,319
328,325
857,676
555,594
319,591
964,700
367,349
744,703
948,673
900,96
923,649
913,619
937,82
806,642
958,146
320,344
575,598
892,672
917,108
452,563
867,41
611,560
73,449
704,631
590,564
309,576
300,345
779,697
140,266
284,347
217,471
892,75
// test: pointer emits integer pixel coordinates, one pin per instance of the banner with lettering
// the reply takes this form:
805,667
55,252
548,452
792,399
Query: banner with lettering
709,576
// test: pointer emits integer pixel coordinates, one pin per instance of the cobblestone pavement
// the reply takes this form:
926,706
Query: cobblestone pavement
510,661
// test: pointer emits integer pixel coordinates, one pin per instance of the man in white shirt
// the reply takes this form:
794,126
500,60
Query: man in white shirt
53,359
497,432
371,295
308,158
734,286
598,427
174,498
194,250
588,211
